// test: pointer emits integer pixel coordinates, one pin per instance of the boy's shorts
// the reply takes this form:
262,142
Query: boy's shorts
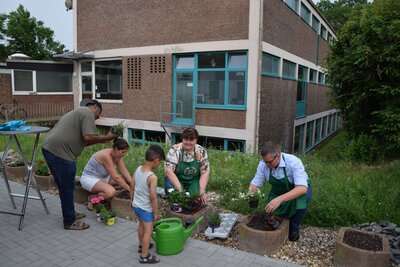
144,215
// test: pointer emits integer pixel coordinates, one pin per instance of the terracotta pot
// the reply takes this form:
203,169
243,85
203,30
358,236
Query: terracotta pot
44,182
14,173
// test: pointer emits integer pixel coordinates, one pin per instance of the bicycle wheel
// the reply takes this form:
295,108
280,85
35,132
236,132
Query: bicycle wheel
19,114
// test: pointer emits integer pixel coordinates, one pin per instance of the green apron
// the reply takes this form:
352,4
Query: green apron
188,174
281,186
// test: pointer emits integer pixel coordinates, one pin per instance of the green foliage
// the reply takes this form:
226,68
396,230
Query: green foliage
118,129
17,163
42,168
106,214
185,200
19,32
363,148
338,12
214,219
364,71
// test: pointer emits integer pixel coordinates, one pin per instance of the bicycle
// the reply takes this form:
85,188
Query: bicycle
13,113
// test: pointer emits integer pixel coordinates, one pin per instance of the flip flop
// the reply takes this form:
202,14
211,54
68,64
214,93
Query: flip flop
77,225
79,215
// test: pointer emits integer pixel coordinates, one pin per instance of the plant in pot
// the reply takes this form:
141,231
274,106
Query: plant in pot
98,206
118,129
252,198
16,163
184,201
16,169
42,169
214,220
108,216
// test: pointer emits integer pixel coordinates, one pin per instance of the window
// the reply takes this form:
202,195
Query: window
146,136
220,77
298,139
289,70
301,91
315,23
302,73
42,81
323,32
321,78
293,4
309,134
324,123
270,65
330,37
317,132
108,76
305,13
313,76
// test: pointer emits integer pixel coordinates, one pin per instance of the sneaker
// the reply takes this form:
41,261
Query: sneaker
294,234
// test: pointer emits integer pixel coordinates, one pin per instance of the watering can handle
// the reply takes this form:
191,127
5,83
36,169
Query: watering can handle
167,220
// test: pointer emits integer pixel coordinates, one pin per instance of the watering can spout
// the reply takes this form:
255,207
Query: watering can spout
188,231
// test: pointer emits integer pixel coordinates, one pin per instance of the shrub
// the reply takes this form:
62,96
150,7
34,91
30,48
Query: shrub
42,169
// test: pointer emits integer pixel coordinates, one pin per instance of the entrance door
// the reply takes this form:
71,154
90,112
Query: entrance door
183,98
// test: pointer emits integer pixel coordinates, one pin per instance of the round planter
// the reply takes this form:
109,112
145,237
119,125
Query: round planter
122,206
44,182
14,173
262,242
193,217
348,255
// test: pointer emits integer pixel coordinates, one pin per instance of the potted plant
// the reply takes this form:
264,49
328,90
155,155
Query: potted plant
214,220
184,201
42,175
108,216
118,129
16,169
252,198
98,206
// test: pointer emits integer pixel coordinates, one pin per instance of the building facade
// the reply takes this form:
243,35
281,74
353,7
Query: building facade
242,72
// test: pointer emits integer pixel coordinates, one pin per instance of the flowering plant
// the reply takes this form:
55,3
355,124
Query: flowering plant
187,201
42,169
251,195
106,214
98,203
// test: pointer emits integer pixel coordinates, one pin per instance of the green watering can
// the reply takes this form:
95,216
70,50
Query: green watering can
170,235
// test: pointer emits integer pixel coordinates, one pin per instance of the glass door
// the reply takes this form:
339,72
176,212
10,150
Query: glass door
183,98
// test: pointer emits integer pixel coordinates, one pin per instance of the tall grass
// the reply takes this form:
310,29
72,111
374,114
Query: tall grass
344,193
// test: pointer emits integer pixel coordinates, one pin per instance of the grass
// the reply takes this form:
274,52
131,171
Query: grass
344,193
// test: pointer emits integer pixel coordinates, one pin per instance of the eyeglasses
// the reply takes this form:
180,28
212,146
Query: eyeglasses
270,161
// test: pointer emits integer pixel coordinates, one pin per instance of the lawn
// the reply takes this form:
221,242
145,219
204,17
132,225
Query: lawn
344,193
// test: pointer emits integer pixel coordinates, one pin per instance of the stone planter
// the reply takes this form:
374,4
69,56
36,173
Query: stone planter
262,242
14,173
122,206
81,195
44,182
193,217
348,255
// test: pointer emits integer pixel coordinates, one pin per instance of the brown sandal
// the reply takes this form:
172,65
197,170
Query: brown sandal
77,225
79,215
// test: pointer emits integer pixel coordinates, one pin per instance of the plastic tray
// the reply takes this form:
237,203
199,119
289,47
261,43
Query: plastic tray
228,220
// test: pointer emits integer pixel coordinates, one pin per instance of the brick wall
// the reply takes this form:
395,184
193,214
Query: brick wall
318,99
277,111
144,85
221,118
5,88
107,24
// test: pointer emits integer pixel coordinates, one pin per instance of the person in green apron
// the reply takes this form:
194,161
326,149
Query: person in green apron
290,191
186,166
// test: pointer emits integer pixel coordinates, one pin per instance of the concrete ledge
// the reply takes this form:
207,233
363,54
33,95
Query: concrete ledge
262,242
122,207
44,182
14,173
349,256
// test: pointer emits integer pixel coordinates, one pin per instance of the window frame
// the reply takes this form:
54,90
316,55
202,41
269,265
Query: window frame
276,64
292,69
305,13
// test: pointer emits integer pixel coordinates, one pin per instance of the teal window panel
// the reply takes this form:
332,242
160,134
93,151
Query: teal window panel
146,136
288,69
313,76
293,4
184,62
301,99
315,24
309,135
298,139
305,13
270,65
302,73
321,78
317,132
323,32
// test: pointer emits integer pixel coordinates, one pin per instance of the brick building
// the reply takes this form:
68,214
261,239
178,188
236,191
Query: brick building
241,71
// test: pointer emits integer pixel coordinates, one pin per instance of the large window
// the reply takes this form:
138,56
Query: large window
146,136
301,91
108,76
321,77
324,32
298,139
315,23
219,77
41,81
313,76
270,65
305,13
209,142
288,70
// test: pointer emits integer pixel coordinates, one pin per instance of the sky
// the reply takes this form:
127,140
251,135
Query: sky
52,12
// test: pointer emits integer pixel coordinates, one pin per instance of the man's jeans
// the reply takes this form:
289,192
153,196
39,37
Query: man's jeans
64,175
296,219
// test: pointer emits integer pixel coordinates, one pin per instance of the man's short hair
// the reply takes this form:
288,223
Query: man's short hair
89,102
269,148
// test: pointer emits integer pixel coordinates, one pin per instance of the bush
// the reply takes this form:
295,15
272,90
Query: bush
364,148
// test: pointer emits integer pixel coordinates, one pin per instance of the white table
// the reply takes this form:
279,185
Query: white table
13,136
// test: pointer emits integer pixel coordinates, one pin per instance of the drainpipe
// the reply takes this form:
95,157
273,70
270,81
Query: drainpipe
260,41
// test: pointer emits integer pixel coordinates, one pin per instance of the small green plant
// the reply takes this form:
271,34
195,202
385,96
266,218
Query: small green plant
16,163
106,214
187,201
214,219
118,129
42,169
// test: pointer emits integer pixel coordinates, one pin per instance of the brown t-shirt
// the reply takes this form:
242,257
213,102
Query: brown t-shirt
65,140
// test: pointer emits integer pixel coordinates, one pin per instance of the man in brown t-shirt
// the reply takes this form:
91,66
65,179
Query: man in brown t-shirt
62,145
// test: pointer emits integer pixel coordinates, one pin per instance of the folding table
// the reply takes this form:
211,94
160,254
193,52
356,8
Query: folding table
13,136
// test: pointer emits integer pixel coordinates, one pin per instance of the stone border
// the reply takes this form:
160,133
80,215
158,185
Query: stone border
346,255
262,242
193,217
